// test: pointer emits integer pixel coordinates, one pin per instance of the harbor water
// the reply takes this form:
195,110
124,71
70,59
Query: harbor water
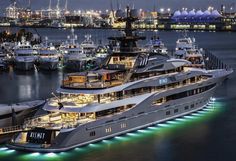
208,135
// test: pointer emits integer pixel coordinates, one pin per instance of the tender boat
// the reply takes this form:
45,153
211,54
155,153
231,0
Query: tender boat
133,90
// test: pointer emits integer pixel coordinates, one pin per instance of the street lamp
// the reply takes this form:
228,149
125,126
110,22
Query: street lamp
231,11
168,10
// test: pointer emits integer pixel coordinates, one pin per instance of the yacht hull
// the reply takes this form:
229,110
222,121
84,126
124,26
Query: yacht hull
48,65
69,140
75,65
24,65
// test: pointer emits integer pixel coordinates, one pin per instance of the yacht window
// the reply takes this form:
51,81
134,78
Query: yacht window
192,105
167,112
176,110
121,118
109,121
140,113
186,107
92,133
108,130
123,125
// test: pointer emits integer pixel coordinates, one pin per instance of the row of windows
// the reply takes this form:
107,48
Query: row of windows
185,108
109,129
177,110
183,94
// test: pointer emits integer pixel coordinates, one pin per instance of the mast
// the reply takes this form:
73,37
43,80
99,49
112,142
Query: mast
128,42
66,6
50,5
29,3
58,5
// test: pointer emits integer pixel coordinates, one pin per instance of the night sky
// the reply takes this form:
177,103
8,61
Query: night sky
105,4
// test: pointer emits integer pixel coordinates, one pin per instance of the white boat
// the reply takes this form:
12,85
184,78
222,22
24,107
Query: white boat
195,56
156,46
101,54
74,57
186,49
88,46
48,57
184,44
24,55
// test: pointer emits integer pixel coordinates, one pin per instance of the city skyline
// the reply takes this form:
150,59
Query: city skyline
106,4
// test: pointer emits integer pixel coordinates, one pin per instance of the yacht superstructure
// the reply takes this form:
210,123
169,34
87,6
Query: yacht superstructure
133,90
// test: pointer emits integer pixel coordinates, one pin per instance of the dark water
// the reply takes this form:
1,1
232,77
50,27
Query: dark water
205,136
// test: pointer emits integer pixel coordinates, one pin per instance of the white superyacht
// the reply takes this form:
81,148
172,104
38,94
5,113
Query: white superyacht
186,49
133,90
74,57
48,57
24,55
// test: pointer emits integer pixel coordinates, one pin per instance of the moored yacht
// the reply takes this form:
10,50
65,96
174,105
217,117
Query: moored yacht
133,90
74,57
88,46
186,49
101,54
195,56
48,57
24,55
155,45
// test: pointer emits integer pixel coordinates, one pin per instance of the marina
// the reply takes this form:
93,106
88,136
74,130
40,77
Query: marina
81,93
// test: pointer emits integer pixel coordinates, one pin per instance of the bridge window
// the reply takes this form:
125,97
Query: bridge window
108,130
176,110
167,112
123,125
